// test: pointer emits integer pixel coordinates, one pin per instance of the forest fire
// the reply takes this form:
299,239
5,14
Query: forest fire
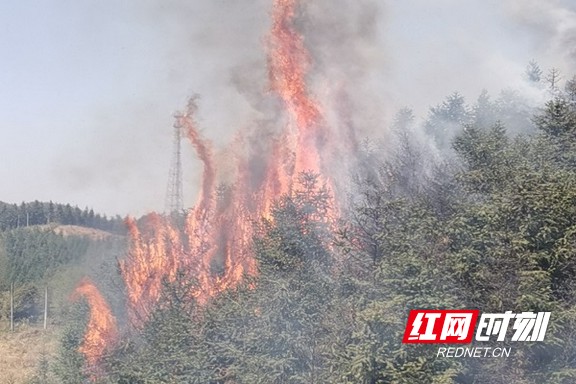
152,256
213,248
288,65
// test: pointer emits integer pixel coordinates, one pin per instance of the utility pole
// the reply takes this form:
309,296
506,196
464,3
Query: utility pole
12,307
45,307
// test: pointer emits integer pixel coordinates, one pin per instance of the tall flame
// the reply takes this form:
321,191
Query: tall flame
216,250
289,62
153,256
214,246
204,150
101,329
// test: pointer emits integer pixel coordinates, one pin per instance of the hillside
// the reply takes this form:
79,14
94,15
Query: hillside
24,350
486,223
490,226
35,257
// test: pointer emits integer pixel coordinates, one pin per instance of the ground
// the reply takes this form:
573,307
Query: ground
21,350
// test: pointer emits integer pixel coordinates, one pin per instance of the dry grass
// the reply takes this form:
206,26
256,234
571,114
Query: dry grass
21,350
74,230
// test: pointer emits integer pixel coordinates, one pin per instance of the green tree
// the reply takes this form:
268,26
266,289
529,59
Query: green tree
170,347
69,364
395,247
487,157
447,119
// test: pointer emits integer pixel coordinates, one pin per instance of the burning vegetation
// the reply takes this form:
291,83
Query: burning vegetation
214,249
101,329
273,277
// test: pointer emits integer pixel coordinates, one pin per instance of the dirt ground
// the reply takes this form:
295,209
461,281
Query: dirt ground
21,351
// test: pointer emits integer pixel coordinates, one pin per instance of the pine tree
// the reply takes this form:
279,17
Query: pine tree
447,119
533,72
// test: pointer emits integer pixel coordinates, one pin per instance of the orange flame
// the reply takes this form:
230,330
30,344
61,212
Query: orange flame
204,151
216,249
289,62
101,329
152,257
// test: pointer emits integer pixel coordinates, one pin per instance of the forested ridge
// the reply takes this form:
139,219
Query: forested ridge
39,213
474,207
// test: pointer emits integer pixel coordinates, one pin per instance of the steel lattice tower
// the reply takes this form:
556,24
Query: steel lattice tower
174,189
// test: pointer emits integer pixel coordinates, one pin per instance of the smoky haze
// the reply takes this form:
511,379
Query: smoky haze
89,89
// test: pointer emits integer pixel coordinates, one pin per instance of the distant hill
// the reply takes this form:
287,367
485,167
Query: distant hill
43,213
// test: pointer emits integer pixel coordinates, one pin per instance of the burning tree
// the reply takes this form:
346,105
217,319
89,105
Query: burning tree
215,249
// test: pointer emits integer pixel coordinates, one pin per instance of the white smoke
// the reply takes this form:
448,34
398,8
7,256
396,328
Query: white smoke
147,57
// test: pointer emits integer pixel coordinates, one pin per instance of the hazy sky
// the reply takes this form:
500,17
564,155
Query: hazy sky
88,88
